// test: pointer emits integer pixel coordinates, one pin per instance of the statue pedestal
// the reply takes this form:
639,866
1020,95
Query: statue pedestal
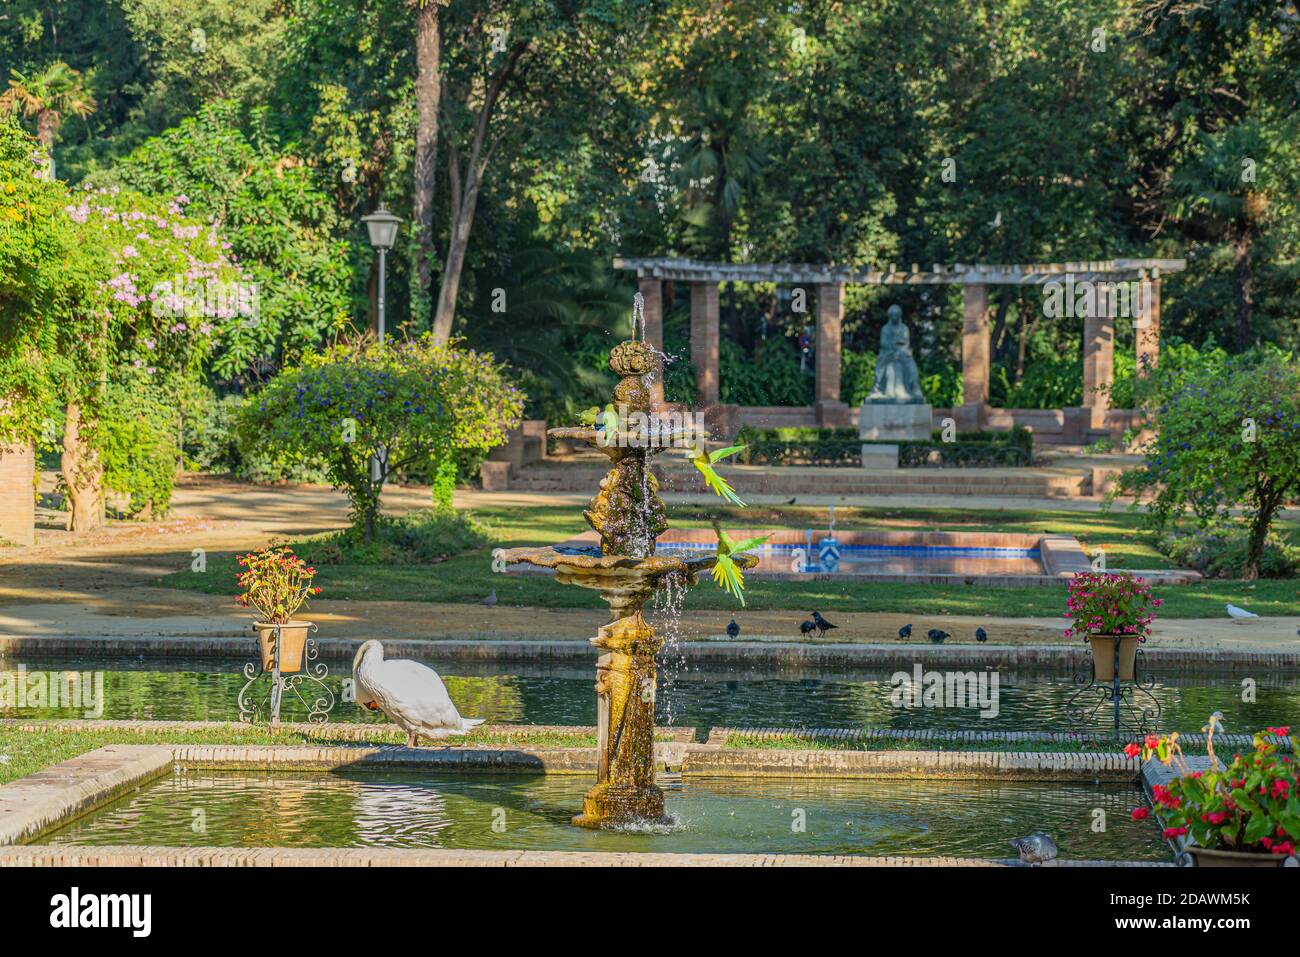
880,456
890,422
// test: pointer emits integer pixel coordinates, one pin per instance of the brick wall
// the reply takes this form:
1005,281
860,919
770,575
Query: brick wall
17,502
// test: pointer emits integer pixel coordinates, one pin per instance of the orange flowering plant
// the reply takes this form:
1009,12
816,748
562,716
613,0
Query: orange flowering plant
276,582
1248,805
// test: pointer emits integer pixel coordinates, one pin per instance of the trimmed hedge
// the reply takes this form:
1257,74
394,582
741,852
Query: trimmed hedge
843,447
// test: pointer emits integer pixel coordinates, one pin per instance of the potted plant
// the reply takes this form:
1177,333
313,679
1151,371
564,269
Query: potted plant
1107,609
1244,814
277,583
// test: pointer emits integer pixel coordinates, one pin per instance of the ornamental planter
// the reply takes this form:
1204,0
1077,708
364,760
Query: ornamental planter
1103,656
294,638
1213,857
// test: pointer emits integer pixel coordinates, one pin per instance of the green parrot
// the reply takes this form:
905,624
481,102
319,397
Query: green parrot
704,461
608,419
728,575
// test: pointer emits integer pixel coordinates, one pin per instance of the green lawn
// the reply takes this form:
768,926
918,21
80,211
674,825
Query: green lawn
468,578
25,752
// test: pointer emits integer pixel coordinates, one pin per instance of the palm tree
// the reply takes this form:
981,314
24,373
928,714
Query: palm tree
47,95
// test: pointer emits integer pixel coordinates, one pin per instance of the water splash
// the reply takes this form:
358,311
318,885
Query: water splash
666,619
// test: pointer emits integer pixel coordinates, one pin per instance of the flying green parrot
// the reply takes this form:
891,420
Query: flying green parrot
728,575
704,461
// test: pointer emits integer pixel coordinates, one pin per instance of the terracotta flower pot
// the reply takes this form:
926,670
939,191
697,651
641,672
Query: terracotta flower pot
1103,656
1213,857
294,637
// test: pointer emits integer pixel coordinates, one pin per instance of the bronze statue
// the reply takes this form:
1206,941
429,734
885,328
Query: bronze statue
897,380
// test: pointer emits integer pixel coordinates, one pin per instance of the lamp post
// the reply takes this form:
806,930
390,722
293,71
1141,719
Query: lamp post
382,226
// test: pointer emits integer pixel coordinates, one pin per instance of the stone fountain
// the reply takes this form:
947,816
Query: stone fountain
629,516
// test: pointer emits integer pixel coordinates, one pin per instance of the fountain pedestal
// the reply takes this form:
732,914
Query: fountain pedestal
628,515
625,719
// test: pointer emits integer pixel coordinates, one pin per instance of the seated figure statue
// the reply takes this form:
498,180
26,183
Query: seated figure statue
897,380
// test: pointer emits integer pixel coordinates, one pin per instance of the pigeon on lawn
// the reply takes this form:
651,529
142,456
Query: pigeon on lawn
1239,613
981,635
491,599
733,629
807,628
937,636
1036,848
905,632
823,625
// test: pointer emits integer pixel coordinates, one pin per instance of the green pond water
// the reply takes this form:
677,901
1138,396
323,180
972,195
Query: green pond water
206,689
369,808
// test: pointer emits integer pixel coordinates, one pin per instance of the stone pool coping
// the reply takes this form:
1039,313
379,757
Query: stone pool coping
34,805
718,735
71,855
747,654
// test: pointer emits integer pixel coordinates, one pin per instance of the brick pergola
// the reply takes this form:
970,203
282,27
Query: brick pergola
829,282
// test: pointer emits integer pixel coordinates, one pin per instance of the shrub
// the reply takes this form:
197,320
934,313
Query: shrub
857,376
1227,435
211,442
137,437
422,537
1220,552
406,405
770,377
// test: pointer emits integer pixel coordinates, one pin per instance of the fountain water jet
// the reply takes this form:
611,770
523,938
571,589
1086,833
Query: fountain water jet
628,515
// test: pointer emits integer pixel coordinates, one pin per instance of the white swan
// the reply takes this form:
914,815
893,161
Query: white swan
411,694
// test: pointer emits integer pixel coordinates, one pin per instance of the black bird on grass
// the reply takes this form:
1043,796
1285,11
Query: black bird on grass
981,635
823,625
807,628
905,632
733,629
937,636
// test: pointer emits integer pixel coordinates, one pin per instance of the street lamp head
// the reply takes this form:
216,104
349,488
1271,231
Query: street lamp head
382,226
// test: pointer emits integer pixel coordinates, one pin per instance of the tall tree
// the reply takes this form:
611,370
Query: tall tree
466,178
428,92
48,95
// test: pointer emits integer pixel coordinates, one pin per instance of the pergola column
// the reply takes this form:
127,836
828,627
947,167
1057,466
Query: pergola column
830,318
704,341
1098,359
651,288
17,494
1147,325
831,412
974,355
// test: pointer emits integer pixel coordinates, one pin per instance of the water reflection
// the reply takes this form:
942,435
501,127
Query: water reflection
355,808
537,694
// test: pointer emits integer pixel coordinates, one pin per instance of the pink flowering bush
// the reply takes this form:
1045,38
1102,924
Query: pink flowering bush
174,288
1105,603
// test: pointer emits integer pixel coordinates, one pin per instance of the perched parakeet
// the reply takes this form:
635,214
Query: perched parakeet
704,461
607,420
728,575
